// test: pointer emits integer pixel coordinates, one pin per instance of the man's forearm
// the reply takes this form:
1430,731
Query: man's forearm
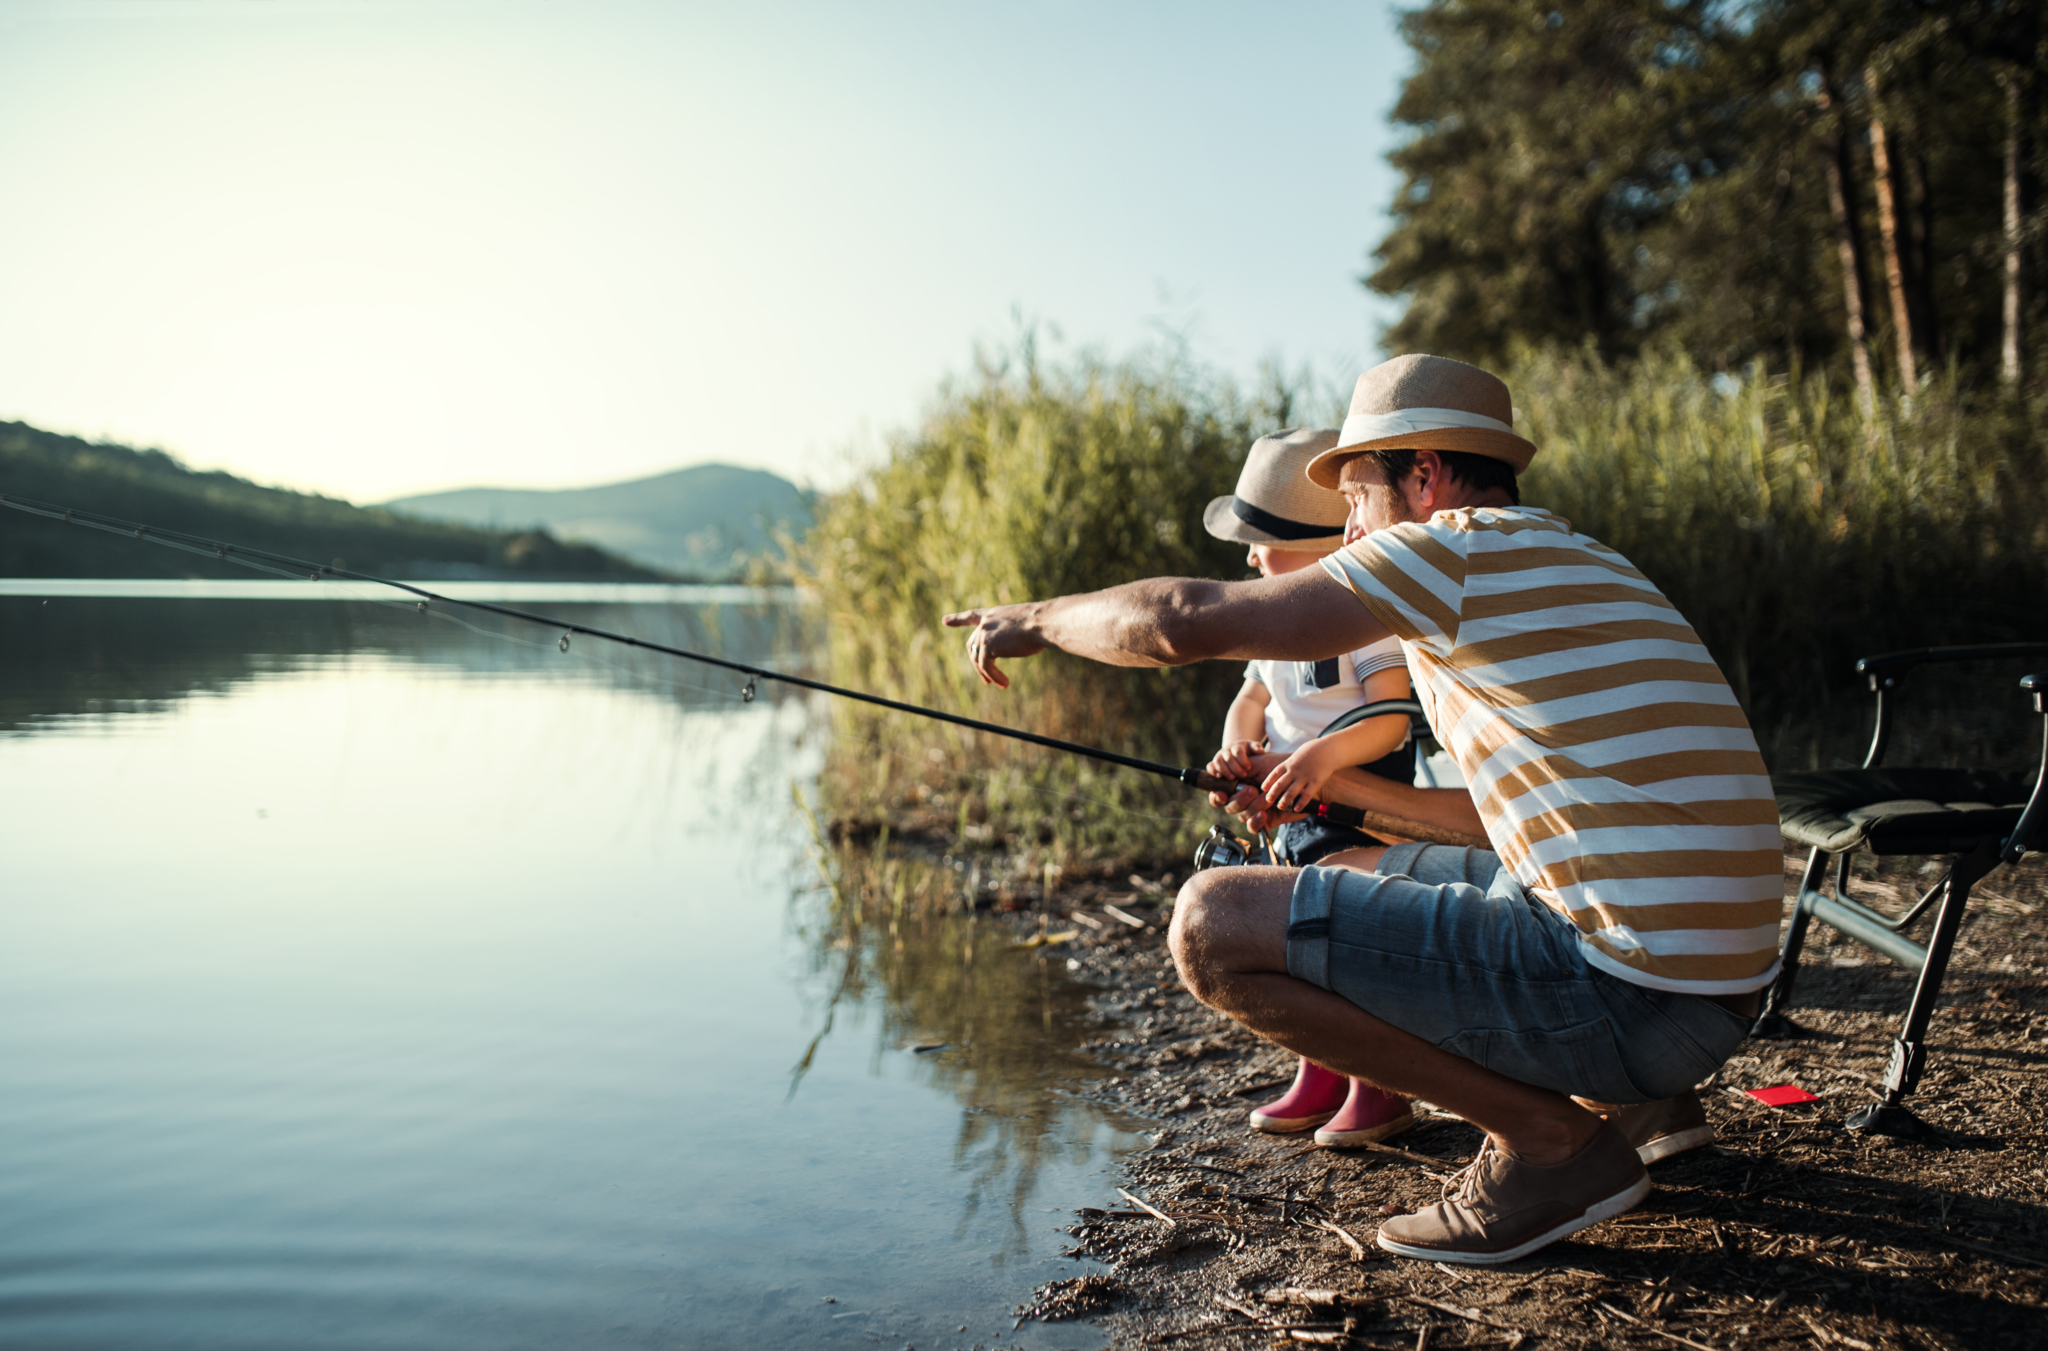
1156,622
1171,621
1450,808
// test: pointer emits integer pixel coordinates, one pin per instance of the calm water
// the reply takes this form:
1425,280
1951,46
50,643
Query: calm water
367,980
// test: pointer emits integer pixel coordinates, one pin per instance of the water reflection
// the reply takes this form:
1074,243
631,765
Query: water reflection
366,978
993,1022
64,656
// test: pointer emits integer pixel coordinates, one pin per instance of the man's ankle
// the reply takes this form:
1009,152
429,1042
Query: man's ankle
1550,1138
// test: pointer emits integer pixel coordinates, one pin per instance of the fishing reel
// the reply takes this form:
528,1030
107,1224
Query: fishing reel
1221,850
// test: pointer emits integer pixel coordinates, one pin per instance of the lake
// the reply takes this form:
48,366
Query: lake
371,978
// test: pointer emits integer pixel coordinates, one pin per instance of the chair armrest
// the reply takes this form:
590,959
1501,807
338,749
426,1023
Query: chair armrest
1885,670
2016,843
1893,665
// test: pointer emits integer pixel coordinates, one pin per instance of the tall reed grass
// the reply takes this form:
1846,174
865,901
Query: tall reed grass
1796,533
1793,531
1029,480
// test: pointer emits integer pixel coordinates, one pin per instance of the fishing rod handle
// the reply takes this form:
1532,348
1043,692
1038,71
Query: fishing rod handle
1196,778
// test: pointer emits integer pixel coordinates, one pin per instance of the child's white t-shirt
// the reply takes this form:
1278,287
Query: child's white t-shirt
1307,696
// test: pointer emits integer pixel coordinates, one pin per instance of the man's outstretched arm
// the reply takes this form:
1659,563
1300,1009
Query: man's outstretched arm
1171,621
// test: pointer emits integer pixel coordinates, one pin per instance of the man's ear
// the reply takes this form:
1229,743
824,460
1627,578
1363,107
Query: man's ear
1426,484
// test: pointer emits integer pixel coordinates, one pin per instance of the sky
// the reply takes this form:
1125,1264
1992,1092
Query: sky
373,249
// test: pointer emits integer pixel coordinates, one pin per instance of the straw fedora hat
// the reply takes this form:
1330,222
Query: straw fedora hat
1426,403
1275,503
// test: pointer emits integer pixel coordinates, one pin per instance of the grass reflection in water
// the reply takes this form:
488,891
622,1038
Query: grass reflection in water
995,1022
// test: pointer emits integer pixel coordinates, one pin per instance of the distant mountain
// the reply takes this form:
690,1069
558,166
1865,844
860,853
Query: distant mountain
150,487
709,520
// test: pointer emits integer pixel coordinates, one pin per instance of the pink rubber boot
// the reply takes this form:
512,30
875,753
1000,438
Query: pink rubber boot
1368,1116
1315,1097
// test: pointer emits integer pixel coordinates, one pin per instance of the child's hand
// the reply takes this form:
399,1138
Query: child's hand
1298,779
1234,761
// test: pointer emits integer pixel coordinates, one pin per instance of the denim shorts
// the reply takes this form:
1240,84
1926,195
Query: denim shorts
1444,943
1307,842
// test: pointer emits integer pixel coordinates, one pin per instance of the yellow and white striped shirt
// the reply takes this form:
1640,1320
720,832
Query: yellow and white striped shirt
1616,774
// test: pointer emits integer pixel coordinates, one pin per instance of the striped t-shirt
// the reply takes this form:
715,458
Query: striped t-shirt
1616,774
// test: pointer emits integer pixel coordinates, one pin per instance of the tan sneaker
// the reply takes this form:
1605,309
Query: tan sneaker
1658,1130
1502,1207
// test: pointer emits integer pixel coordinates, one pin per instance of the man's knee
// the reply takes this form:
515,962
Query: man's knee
1228,921
1188,934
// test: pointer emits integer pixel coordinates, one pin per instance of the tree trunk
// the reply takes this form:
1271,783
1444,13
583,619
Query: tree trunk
1928,324
1841,187
2009,350
1888,235
1594,293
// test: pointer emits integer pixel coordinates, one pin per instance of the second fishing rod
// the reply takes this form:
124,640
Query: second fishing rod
284,565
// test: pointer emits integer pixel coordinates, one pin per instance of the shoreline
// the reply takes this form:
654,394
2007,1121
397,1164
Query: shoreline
1787,1229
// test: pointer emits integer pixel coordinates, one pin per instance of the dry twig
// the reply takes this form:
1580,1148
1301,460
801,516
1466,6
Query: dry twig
1147,1207
1378,1148
1469,1315
1236,1307
1357,1248
1990,1251
1651,1328
1207,1330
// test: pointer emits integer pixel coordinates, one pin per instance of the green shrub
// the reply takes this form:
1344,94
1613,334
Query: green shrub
1795,533
1026,482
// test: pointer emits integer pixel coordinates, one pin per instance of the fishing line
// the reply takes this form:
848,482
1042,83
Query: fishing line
1017,784
645,677
854,738
284,565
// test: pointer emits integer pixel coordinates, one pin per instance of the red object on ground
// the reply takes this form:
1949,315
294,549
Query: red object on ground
1781,1095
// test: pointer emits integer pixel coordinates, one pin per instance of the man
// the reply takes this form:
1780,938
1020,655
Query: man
1613,942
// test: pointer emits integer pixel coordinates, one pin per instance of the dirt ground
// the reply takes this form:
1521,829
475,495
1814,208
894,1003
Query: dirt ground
1789,1230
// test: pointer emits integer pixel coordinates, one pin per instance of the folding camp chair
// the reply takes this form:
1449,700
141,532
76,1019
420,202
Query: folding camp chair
1980,820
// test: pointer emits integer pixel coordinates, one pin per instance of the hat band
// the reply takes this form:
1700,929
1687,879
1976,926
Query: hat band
1279,527
1373,426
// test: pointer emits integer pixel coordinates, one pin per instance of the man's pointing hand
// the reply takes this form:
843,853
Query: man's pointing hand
1002,632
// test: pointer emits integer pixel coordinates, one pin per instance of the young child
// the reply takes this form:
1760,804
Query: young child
1289,523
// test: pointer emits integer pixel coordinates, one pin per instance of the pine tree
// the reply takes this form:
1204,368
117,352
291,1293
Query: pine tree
1546,142
1802,181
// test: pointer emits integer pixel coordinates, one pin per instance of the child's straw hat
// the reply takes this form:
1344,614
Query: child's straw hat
1275,503
1426,403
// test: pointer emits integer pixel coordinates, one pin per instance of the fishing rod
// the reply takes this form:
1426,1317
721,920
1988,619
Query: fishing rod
284,565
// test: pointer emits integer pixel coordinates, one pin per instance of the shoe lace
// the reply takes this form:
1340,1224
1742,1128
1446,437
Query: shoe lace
1458,1187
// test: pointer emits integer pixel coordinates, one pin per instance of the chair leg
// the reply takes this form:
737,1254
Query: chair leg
1890,1115
1771,1023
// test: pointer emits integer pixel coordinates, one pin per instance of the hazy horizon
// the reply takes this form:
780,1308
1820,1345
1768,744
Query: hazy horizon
576,487
379,250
